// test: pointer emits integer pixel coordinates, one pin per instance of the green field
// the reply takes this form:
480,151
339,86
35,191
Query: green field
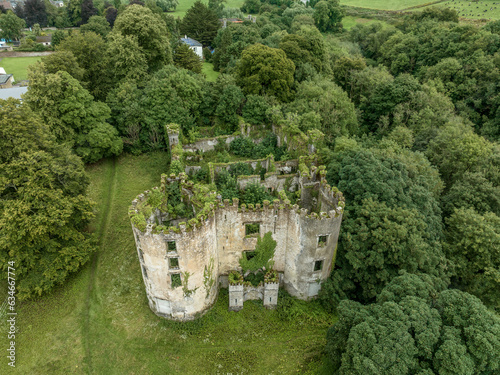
486,9
384,4
17,66
99,322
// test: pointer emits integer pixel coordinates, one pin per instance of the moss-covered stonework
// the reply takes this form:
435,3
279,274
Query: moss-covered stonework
210,239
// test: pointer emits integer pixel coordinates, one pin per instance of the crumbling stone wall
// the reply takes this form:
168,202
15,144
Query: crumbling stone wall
212,246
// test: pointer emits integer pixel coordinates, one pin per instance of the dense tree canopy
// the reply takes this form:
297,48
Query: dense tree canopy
71,114
150,31
264,70
11,26
415,327
44,209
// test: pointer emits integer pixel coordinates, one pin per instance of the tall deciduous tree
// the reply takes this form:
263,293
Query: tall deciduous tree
126,58
11,26
98,25
72,115
34,12
167,5
88,10
328,15
44,208
473,245
265,70
150,31
90,52
200,23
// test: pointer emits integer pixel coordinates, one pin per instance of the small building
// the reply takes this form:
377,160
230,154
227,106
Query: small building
45,40
6,5
4,46
6,81
14,92
196,46
57,4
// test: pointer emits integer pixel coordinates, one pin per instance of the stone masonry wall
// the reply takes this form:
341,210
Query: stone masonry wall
306,245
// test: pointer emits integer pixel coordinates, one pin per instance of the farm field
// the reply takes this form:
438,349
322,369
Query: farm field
17,66
384,4
99,321
485,9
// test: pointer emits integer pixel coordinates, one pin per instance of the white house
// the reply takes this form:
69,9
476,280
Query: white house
196,46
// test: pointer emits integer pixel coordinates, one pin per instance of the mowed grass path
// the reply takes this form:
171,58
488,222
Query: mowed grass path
384,4
17,66
99,322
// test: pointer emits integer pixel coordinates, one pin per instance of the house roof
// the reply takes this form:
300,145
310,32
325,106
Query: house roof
191,42
6,5
4,78
42,39
14,92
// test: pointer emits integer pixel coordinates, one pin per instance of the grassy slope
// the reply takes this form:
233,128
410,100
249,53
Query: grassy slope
17,66
100,323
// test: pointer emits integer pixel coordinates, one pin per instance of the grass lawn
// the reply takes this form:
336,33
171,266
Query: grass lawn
384,4
208,69
17,66
99,321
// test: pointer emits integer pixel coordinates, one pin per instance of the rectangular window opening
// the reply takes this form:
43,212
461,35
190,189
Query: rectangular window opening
171,246
175,280
173,263
322,240
249,254
318,265
252,228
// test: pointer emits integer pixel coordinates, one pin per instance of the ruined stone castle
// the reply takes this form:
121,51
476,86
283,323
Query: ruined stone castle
185,260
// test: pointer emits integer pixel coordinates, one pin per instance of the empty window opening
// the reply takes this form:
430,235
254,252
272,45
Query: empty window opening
318,265
175,280
173,263
322,241
235,301
249,254
171,246
270,300
252,228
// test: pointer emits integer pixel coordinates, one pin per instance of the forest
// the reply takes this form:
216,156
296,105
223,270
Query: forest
405,115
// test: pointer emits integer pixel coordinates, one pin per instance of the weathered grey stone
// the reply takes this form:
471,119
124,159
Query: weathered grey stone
207,252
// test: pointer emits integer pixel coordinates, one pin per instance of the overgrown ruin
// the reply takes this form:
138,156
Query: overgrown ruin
189,239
